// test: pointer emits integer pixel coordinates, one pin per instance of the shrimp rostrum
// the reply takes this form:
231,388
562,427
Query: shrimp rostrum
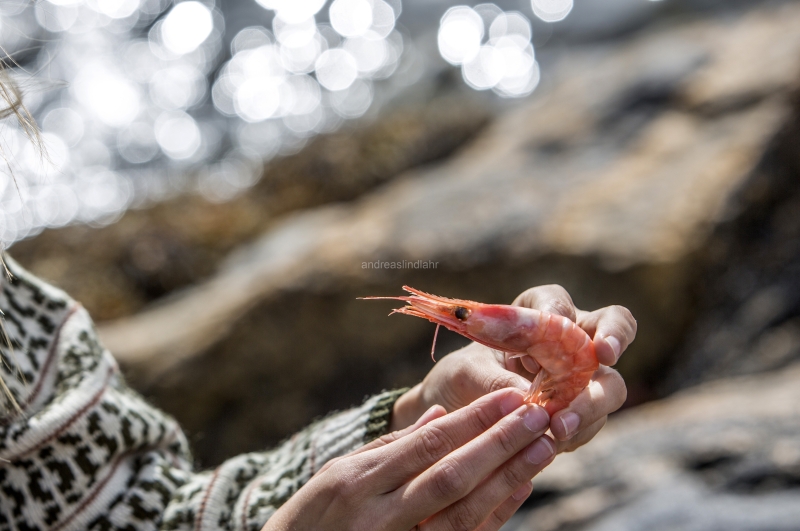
564,352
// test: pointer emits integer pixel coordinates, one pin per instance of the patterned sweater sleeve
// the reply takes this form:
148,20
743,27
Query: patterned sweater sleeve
84,452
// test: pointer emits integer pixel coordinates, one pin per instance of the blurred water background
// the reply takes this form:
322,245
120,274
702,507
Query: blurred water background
222,180
140,100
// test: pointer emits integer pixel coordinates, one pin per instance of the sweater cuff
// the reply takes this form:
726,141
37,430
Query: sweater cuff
380,416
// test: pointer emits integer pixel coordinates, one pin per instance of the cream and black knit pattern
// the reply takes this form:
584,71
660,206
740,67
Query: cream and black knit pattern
87,453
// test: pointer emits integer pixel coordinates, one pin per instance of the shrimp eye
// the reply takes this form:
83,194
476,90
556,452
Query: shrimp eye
461,313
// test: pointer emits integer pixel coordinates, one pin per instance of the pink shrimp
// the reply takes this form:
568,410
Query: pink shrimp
565,353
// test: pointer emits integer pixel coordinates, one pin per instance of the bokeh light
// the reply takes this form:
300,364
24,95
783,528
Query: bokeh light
106,92
460,34
351,18
551,10
178,134
500,58
293,11
336,69
186,26
140,99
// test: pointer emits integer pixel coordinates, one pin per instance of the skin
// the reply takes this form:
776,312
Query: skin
470,469
462,453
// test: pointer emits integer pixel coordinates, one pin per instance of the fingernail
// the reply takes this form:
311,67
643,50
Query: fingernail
570,421
615,345
539,452
535,419
523,491
428,415
510,402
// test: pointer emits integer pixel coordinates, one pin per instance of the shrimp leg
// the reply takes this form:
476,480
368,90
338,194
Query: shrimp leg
536,385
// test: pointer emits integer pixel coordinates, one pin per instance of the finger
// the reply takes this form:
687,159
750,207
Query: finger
417,452
530,364
582,437
507,509
433,413
551,298
457,474
604,394
612,329
481,503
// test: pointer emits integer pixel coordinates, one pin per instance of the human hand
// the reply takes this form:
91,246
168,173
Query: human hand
470,470
462,376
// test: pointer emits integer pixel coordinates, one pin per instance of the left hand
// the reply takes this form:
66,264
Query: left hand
467,470
467,374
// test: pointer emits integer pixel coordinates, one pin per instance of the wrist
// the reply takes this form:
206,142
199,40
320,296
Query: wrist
406,409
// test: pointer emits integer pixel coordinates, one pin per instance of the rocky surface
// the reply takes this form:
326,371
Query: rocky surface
610,180
723,456
116,270
749,292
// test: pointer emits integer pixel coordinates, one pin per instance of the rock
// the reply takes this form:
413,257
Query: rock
748,317
150,253
610,180
722,456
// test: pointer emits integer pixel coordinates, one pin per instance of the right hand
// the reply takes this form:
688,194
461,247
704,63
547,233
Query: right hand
470,470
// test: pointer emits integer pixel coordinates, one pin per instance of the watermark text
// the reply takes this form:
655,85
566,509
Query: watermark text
401,264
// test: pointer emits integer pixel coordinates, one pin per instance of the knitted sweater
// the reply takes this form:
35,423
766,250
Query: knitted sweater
87,452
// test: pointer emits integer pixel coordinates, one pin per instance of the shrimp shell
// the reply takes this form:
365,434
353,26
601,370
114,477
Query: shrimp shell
564,352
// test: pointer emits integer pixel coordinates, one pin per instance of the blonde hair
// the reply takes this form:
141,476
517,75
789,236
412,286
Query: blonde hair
12,105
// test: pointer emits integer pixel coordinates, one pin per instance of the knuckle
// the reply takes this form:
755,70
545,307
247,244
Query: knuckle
431,444
448,483
505,439
626,318
558,301
337,468
464,517
554,289
480,418
385,439
496,382
514,476
330,464
343,485
553,297
560,307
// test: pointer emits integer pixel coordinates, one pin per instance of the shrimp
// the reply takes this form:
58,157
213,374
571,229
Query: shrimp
564,352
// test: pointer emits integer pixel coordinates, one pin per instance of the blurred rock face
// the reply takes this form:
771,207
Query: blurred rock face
628,179
748,295
116,270
722,457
